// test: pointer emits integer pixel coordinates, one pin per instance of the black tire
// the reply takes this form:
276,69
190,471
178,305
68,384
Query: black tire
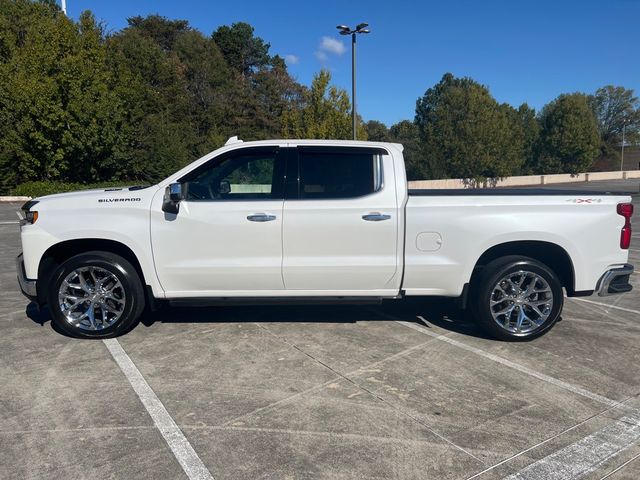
130,306
485,290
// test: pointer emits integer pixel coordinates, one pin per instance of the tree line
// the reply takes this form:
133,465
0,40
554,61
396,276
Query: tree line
79,104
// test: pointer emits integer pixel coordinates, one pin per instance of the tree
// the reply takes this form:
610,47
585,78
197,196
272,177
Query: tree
376,131
61,118
466,133
569,139
614,107
526,116
244,52
408,134
325,113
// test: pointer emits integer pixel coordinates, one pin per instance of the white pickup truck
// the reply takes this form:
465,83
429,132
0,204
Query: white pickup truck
318,220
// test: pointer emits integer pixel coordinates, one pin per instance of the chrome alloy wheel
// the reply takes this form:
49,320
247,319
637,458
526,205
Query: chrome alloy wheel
91,298
521,302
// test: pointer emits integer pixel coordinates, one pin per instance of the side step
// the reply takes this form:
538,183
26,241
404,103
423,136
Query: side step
240,301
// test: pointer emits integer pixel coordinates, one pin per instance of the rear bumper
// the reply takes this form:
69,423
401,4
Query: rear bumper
615,281
27,286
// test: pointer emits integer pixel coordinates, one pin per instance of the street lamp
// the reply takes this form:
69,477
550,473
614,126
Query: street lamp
344,30
624,124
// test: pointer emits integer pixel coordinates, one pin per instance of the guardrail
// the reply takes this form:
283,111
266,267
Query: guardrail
525,180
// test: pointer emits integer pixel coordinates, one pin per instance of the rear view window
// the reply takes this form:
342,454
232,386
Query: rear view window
337,175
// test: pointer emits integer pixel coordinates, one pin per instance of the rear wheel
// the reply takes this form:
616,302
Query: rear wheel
95,295
517,298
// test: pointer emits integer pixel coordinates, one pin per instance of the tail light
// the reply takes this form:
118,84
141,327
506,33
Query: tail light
626,210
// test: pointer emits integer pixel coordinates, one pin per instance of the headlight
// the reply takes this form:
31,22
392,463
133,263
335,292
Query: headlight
30,216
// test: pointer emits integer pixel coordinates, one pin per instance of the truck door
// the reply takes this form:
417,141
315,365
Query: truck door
226,238
340,231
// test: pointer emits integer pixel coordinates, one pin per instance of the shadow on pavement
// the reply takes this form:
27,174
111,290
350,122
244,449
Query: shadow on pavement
428,312
442,313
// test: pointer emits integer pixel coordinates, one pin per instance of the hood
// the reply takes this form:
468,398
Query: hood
111,192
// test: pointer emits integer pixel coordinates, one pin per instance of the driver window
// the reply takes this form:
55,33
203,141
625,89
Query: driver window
245,176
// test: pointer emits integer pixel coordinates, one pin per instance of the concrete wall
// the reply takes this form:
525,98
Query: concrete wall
530,180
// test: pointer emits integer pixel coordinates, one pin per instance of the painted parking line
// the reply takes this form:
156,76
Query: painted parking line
178,443
13,222
516,366
621,467
606,305
545,441
585,455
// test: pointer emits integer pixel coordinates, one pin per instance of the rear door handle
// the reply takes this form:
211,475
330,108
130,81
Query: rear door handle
375,217
261,217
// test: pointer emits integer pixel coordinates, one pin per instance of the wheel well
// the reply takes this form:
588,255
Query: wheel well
62,251
552,255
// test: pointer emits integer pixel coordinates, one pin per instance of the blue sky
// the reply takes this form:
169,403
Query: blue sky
524,51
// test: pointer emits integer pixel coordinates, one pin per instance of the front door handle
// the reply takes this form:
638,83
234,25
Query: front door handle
261,217
375,217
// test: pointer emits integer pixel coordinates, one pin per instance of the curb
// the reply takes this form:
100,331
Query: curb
14,199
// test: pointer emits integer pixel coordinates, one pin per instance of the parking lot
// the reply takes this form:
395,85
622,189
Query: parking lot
408,389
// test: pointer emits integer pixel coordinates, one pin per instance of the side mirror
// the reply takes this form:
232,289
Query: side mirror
172,197
225,187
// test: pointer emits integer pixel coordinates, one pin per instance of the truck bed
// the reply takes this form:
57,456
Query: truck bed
504,192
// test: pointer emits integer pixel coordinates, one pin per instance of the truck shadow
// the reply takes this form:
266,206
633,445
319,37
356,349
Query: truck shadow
429,313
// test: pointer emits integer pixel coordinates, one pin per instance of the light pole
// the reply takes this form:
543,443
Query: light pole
64,6
344,30
624,124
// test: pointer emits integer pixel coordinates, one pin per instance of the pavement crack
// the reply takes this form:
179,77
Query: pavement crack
372,393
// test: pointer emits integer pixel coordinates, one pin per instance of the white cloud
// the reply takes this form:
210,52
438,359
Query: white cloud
291,59
321,56
331,45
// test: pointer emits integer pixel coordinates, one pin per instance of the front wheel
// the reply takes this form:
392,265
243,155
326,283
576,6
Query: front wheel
517,298
95,295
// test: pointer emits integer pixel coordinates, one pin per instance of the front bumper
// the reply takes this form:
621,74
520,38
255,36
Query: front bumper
615,281
27,286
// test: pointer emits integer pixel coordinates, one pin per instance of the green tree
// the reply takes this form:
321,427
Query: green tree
466,133
376,131
61,118
614,107
408,134
245,53
154,89
569,139
526,116
325,113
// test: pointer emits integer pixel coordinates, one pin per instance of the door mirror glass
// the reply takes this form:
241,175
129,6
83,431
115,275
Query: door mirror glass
172,197
175,192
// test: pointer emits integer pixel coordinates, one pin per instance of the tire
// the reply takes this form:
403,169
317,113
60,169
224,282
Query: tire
95,295
517,298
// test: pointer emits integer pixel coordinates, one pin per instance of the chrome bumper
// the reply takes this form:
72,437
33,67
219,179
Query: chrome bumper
615,281
27,286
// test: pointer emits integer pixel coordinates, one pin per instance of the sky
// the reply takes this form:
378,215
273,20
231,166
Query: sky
524,51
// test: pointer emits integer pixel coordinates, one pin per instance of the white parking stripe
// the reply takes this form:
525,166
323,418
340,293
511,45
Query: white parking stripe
178,443
543,442
605,305
9,223
520,368
586,455
620,467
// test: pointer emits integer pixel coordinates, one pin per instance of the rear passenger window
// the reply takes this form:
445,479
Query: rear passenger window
325,175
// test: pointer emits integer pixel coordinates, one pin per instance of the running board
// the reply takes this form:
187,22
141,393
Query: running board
244,301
